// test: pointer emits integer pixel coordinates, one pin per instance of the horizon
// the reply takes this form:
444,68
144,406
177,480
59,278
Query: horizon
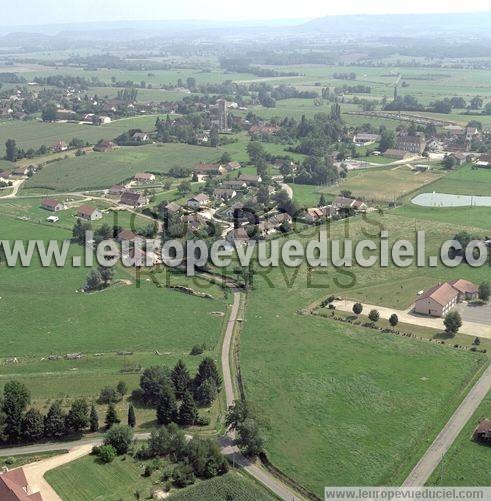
34,15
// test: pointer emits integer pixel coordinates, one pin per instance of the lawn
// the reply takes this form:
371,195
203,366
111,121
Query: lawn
101,170
467,462
86,479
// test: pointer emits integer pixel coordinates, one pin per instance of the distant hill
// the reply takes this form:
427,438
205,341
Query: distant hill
401,24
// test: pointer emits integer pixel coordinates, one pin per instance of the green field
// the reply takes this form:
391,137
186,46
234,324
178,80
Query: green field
101,170
467,462
33,134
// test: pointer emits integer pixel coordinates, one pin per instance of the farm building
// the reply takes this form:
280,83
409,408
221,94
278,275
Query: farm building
172,208
103,146
437,301
396,154
144,177
116,189
89,213
232,166
467,290
483,432
414,144
209,169
441,298
133,199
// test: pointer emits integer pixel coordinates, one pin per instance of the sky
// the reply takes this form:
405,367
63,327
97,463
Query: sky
35,12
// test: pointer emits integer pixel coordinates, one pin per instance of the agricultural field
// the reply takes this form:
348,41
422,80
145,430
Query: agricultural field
33,134
466,462
101,170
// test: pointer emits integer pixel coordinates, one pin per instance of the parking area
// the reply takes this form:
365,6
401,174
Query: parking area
475,314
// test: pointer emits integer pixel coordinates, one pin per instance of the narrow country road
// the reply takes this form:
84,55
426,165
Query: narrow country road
230,450
432,457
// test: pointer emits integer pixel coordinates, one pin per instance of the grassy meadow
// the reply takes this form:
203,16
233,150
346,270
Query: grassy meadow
33,134
353,387
101,170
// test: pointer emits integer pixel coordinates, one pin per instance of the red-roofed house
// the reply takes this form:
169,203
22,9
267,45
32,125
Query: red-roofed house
14,487
52,205
89,213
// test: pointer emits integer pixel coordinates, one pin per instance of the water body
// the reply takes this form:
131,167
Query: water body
446,200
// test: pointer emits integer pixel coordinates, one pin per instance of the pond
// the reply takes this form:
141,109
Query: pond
447,200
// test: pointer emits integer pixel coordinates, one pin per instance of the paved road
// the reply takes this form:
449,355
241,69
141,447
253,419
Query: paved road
427,464
59,446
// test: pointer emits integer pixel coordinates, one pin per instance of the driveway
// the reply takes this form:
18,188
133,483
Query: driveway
35,471
469,326
475,314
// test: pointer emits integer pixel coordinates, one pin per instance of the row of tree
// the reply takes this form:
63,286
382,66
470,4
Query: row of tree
18,423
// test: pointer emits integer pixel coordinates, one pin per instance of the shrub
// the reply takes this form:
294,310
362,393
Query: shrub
120,437
197,349
106,453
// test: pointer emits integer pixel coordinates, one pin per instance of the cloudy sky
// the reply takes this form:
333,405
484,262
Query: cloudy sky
26,12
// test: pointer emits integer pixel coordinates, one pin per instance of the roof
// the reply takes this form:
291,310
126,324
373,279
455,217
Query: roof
85,210
441,293
126,235
249,177
464,286
116,188
240,234
173,207
200,197
224,192
144,175
484,426
391,152
50,202
130,197
13,487
233,165
367,137
207,167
